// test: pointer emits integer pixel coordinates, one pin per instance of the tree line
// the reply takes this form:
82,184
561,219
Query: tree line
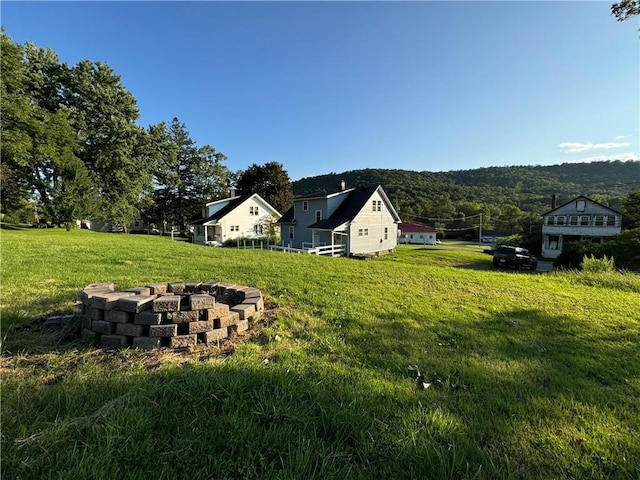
71,149
510,199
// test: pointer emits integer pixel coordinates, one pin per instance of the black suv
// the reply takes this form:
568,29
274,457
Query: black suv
516,257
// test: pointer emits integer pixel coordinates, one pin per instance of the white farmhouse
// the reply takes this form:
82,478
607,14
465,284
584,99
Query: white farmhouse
578,219
354,222
235,217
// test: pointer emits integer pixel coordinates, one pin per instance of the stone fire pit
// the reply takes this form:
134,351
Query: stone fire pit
174,315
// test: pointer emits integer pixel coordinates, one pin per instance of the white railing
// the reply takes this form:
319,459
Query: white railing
333,250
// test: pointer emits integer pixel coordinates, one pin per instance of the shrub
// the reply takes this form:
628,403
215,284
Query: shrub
532,242
574,252
592,264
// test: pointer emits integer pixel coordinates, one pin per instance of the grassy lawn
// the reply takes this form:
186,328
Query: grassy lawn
528,375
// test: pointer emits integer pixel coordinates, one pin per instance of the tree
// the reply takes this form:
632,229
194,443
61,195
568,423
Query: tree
271,182
185,176
631,213
110,142
625,9
39,144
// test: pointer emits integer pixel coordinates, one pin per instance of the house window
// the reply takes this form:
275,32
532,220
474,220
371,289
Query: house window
573,220
581,205
611,220
552,242
584,220
599,220
359,232
379,205
386,233
548,220
291,232
366,232
199,230
560,220
318,215
257,229
305,205
373,205
253,210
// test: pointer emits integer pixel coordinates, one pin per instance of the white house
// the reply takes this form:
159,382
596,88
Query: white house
416,233
578,219
354,222
235,217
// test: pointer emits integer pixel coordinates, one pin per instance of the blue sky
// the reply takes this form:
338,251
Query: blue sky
333,86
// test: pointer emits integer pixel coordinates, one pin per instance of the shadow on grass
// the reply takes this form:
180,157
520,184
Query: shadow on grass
517,395
11,226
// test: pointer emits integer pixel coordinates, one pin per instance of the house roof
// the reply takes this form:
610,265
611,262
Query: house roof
228,205
355,199
231,204
416,227
347,210
578,197
322,194
288,216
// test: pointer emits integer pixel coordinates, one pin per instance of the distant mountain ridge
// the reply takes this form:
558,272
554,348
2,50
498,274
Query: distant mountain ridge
527,187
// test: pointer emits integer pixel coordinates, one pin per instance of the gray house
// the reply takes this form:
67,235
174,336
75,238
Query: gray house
578,219
354,222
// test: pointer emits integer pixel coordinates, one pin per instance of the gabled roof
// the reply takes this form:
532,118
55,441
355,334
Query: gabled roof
288,216
577,198
416,227
323,194
355,199
350,207
226,206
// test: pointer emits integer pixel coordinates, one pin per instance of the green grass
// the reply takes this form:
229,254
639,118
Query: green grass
531,375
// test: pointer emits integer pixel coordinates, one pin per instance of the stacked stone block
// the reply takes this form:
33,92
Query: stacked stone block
175,315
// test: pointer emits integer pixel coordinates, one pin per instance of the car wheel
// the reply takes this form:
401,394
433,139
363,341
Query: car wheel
534,266
495,262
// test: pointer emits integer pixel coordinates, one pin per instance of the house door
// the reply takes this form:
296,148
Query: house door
316,239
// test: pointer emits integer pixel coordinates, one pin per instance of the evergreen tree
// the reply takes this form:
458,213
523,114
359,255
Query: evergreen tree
186,176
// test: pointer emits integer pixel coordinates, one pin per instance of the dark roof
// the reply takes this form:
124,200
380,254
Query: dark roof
347,210
232,205
287,217
586,198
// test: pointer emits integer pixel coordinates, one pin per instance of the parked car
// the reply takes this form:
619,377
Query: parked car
516,257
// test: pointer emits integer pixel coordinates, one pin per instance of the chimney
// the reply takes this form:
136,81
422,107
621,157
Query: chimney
343,185
554,201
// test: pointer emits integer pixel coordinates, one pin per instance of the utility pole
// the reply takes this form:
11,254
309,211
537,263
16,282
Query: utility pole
480,232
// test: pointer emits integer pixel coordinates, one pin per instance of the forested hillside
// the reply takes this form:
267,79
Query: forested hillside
504,194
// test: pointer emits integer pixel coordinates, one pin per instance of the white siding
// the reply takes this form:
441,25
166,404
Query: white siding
373,224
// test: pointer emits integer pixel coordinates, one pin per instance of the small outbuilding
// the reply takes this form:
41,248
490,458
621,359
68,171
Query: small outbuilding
416,233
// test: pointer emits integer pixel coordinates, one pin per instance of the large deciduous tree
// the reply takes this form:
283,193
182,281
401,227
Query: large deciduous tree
104,115
271,182
39,146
